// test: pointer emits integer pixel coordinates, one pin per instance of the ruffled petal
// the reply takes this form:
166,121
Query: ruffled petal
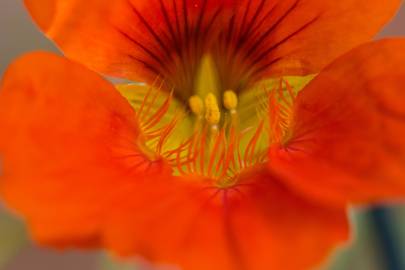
249,39
346,142
67,138
256,225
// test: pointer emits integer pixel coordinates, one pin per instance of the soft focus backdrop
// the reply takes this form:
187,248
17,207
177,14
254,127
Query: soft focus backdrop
380,243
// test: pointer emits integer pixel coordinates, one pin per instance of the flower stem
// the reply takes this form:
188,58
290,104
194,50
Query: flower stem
386,237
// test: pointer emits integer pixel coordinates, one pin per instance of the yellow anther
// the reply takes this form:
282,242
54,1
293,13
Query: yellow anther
212,113
230,100
213,116
211,100
196,105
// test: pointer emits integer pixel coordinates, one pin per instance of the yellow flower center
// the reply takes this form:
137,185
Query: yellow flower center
214,135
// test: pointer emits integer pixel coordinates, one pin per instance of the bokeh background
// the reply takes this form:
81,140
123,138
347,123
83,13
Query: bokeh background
379,233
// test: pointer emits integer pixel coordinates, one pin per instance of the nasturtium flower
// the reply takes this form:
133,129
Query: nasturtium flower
224,159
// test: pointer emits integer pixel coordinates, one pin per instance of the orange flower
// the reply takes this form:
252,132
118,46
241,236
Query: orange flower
209,167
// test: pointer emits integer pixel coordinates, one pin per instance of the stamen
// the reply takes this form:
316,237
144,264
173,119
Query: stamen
212,113
230,100
196,105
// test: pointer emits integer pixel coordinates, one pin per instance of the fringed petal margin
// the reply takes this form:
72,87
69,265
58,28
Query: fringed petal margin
346,143
67,138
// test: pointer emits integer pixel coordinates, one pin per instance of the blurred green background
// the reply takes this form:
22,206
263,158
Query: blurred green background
369,251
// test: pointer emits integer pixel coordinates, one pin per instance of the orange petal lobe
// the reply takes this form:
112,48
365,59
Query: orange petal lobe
305,36
347,140
42,11
256,225
138,40
67,138
294,37
249,39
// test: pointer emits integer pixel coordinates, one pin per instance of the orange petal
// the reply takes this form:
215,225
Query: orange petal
347,141
256,225
67,138
138,40
310,34
249,39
